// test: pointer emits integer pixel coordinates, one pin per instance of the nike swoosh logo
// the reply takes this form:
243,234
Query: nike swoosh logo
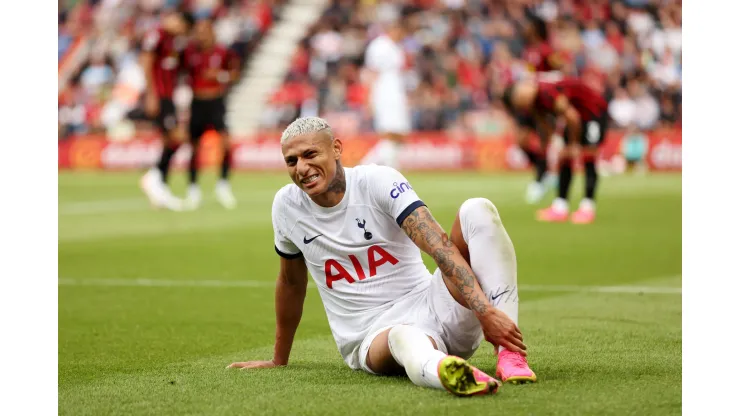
308,240
493,298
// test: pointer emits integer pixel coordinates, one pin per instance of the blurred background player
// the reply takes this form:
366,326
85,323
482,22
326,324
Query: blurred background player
586,118
212,69
544,64
161,64
385,60
524,128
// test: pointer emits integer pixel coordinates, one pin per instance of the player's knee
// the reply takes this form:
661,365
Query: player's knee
395,335
478,207
479,215
400,336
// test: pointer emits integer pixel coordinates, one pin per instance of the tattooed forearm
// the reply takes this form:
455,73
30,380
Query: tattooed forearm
424,230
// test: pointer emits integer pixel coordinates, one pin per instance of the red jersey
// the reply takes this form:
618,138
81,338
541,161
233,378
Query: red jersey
538,57
589,104
198,62
166,64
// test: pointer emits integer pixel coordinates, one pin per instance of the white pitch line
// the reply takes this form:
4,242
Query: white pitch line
661,290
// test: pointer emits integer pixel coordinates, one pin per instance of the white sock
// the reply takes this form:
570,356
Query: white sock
222,183
588,204
155,174
560,205
492,255
415,352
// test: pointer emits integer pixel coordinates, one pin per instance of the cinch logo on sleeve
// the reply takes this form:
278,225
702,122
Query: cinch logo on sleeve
398,189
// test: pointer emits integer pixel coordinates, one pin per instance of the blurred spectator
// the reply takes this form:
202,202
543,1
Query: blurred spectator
98,74
72,112
327,44
669,110
647,109
622,109
634,149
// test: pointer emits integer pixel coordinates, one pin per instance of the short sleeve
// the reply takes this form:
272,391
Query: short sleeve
393,193
151,40
283,246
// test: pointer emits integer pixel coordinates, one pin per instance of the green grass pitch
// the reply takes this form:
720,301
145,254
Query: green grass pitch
600,305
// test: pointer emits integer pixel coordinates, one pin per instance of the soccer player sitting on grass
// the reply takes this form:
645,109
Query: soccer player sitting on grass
359,231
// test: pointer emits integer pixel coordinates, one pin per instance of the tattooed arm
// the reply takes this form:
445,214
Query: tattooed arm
428,235
425,232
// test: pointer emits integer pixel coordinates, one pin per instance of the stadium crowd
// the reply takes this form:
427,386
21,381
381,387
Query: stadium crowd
460,56
107,86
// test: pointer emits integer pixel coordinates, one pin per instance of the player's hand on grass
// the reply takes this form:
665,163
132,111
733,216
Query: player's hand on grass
151,105
246,365
500,330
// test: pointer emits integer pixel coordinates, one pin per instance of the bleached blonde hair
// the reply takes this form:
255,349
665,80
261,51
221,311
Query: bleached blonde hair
305,125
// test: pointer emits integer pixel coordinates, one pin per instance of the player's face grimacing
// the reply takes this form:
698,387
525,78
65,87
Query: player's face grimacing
312,161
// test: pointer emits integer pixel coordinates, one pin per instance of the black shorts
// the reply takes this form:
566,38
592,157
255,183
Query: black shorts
592,131
167,118
205,114
527,121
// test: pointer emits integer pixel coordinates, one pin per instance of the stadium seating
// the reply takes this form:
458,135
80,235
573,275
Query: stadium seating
460,55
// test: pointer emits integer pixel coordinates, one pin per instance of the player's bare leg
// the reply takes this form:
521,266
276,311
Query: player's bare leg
406,348
536,189
224,195
586,212
482,239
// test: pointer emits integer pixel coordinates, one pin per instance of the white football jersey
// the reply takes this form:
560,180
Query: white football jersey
356,252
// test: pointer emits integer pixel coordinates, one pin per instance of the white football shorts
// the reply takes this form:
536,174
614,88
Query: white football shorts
454,328
391,114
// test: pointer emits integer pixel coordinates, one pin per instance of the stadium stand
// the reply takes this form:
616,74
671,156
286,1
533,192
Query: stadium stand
99,75
460,55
